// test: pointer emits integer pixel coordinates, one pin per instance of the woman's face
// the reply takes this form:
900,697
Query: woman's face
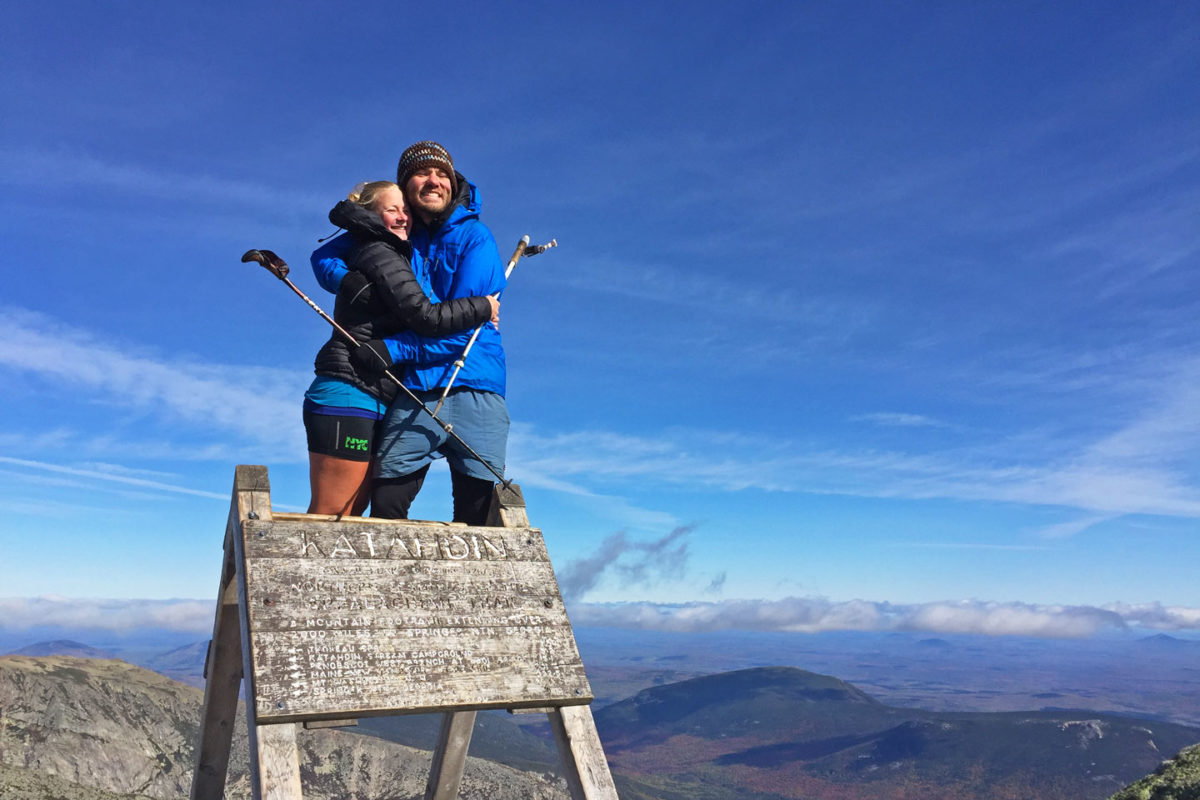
391,206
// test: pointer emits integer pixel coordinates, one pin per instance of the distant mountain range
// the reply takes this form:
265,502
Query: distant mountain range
1151,677
63,647
786,733
93,729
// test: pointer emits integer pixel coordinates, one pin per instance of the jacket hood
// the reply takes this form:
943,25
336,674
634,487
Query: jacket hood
366,226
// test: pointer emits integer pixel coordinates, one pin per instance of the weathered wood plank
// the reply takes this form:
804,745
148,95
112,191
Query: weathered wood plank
293,594
220,707
314,539
278,763
450,755
371,673
274,757
351,618
582,756
223,663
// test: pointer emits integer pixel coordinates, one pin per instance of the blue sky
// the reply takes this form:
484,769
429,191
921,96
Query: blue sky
867,316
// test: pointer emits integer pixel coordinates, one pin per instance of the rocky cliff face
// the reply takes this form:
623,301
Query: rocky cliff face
86,729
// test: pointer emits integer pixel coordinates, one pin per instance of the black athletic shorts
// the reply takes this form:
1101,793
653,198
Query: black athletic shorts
341,435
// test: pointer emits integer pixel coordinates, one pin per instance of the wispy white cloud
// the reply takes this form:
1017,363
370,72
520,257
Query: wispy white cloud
120,470
233,398
39,167
963,546
1115,256
685,459
899,419
1156,615
22,613
1166,431
1072,527
181,448
813,615
1137,459
663,284
14,505
108,476
604,506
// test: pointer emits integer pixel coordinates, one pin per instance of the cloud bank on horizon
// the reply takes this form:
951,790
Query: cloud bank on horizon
787,615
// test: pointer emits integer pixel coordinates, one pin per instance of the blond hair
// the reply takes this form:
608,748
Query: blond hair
367,192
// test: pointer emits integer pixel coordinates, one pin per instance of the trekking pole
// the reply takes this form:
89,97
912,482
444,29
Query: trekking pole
523,249
279,268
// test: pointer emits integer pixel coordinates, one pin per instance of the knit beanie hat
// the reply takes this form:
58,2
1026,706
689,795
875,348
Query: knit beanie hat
421,155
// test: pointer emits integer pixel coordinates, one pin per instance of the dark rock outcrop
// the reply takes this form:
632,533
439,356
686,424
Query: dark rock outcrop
88,729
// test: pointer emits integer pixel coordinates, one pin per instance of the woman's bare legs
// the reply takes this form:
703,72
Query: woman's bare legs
339,486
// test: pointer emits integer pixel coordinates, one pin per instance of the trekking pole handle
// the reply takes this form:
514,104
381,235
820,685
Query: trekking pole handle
516,256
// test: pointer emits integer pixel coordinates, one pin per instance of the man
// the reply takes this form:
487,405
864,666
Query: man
460,256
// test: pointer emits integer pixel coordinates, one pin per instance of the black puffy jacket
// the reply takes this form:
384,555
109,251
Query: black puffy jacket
396,300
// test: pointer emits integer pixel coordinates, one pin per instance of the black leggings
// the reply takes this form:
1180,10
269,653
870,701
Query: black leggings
391,497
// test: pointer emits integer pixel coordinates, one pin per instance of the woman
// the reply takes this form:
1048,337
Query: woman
379,295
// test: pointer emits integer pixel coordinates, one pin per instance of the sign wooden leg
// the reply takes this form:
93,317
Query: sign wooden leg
581,754
223,677
274,756
274,762
450,755
454,738
579,748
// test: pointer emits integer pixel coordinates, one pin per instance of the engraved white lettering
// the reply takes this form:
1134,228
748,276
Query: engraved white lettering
447,544
500,551
343,547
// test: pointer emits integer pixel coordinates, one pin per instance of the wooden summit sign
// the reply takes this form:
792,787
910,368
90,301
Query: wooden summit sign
327,620
363,618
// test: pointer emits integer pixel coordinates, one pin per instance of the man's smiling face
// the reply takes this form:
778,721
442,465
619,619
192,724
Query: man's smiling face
428,191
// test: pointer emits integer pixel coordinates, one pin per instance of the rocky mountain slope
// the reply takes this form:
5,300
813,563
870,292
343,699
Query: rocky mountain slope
1176,779
88,729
